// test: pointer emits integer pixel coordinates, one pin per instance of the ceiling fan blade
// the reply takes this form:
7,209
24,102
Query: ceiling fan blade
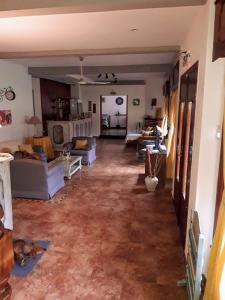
100,82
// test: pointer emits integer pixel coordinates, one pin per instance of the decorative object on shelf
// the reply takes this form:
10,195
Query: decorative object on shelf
136,101
5,117
119,100
8,93
34,120
152,180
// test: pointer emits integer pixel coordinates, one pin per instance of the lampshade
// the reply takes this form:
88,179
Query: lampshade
34,120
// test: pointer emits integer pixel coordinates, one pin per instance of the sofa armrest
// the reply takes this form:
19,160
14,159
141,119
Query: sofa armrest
54,168
68,146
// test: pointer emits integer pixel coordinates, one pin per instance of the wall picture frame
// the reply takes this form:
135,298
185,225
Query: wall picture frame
136,101
5,117
89,105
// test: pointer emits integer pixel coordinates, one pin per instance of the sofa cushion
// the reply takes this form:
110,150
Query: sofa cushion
80,144
11,146
24,154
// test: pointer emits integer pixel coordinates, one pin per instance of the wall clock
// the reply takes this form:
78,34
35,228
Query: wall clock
7,93
119,100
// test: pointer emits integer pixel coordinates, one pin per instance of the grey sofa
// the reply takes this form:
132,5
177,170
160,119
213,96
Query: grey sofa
36,179
88,155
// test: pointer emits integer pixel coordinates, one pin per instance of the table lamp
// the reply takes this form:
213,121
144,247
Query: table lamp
34,120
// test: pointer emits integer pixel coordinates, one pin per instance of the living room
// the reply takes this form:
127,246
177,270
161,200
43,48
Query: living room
94,228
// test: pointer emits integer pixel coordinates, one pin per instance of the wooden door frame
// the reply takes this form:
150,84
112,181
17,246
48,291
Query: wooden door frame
179,200
220,185
101,113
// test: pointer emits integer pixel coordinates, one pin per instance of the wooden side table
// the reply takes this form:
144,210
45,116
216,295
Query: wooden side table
71,165
46,144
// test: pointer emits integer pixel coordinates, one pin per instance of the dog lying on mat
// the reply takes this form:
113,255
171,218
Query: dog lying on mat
23,250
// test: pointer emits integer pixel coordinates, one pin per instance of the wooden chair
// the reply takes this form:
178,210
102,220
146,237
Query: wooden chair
194,261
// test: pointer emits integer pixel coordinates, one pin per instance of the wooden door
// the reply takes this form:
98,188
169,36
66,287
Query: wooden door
219,30
184,147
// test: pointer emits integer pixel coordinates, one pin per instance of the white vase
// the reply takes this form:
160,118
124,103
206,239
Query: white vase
151,183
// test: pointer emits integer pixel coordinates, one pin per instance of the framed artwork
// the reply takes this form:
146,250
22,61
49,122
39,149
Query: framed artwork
94,108
5,117
119,100
89,105
136,101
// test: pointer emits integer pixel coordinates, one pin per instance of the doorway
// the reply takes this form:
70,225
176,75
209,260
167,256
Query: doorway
113,116
185,135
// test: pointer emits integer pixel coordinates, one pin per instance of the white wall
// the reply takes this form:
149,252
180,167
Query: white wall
209,110
110,107
154,89
135,113
17,77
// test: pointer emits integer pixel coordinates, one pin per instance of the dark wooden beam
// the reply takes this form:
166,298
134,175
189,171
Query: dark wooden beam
90,52
156,68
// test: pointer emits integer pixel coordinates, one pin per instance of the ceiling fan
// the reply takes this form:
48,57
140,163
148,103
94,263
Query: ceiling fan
83,80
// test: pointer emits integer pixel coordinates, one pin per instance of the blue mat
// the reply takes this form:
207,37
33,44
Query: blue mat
30,262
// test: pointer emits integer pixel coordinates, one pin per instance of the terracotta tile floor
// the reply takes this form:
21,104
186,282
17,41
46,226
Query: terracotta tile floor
110,239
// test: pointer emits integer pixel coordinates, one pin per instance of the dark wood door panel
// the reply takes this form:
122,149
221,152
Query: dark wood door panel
219,30
185,136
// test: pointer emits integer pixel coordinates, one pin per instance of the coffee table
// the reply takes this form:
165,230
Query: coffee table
71,165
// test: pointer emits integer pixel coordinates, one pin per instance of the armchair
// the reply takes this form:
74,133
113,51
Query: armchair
36,179
88,155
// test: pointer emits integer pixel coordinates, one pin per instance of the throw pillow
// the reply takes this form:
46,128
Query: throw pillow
27,148
80,145
24,154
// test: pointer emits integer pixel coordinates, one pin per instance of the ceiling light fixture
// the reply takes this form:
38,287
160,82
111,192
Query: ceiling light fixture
109,76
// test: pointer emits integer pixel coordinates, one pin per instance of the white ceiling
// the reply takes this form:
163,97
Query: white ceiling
156,27
97,30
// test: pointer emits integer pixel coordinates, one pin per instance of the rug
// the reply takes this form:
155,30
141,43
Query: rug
30,262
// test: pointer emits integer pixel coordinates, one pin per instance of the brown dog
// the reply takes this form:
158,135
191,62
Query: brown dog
22,250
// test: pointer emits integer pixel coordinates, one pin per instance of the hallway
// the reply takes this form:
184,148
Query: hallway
109,238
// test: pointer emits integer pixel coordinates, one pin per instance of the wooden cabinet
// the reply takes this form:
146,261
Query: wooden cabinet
61,132
52,107
219,30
